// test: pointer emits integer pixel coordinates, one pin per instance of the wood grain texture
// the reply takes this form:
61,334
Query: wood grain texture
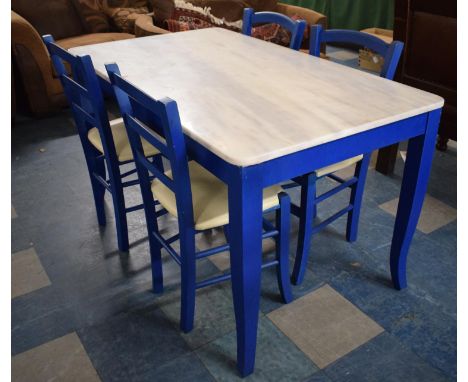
249,101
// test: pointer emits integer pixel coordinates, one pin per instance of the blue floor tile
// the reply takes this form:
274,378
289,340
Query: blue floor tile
278,359
131,345
383,359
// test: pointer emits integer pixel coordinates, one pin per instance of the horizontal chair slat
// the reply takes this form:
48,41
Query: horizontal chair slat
168,182
153,138
83,114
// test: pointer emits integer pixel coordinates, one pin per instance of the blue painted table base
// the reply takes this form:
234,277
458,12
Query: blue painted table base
245,197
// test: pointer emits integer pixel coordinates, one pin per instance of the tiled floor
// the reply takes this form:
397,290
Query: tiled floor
83,311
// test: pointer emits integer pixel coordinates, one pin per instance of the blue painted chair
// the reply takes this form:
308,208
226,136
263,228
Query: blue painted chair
105,143
197,198
308,204
296,28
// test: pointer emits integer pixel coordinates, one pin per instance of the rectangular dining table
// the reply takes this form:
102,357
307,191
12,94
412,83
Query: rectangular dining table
256,114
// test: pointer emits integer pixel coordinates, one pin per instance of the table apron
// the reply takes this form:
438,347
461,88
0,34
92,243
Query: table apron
302,162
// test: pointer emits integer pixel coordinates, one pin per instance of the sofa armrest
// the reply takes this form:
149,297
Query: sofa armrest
310,16
33,62
144,26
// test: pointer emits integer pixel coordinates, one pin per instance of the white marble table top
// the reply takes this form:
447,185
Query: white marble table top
249,101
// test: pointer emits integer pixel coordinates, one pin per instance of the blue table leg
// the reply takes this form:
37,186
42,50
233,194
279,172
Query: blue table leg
245,231
413,190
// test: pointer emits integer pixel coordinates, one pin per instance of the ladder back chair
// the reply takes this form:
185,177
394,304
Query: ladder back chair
296,28
190,193
307,210
105,143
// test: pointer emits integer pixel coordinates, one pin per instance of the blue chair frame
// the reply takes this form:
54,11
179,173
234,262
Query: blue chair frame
390,52
296,28
307,210
85,97
152,120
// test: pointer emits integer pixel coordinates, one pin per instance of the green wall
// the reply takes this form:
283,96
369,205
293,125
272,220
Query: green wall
352,14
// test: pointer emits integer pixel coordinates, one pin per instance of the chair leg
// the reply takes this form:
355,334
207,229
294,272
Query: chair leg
305,227
99,190
314,212
357,192
226,232
121,221
119,207
282,246
188,279
156,264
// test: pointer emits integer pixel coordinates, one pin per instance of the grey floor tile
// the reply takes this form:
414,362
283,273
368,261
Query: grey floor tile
324,325
434,215
277,358
63,359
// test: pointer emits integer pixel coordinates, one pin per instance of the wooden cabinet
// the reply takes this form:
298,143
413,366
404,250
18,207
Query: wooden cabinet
429,62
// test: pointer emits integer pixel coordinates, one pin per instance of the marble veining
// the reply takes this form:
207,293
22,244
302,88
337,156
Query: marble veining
250,101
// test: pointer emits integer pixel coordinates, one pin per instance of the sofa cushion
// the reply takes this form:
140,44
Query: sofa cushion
60,18
98,13
262,5
95,18
124,19
93,38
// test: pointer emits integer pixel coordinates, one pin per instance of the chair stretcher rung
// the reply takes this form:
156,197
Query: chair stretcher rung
295,210
267,226
212,280
227,276
167,247
289,185
335,190
128,173
172,238
140,206
336,178
101,180
131,183
331,219
134,208
225,247
212,251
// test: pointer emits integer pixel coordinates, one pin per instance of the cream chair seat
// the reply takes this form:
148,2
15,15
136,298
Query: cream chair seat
209,197
122,145
337,166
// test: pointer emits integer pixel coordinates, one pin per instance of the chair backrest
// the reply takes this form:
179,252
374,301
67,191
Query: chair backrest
295,27
390,52
158,122
84,95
